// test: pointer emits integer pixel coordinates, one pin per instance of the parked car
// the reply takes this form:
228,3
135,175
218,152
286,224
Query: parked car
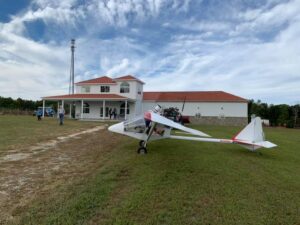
49,111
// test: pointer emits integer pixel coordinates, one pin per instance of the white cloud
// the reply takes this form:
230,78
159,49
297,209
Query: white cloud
260,70
29,69
54,3
119,68
203,54
259,20
206,26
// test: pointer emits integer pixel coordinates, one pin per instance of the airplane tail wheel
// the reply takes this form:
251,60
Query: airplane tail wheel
142,143
142,150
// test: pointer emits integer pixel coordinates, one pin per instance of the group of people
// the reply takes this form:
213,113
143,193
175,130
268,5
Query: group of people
112,113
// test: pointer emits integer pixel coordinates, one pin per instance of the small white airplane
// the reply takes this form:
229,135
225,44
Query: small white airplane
152,126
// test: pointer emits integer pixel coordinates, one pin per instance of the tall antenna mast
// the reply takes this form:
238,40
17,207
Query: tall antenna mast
71,84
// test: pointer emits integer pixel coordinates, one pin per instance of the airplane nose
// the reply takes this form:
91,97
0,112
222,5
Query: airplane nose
117,128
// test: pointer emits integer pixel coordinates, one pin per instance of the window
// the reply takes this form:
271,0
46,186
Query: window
122,109
85,89
106,112
124,88
104,89
86,108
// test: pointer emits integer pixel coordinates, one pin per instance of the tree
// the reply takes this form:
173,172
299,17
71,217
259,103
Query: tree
20,104
258,108
284,114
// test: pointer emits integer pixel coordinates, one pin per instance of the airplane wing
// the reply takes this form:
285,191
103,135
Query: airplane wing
154,117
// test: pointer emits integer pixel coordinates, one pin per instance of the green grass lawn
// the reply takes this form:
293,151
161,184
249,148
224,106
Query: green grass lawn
23,131
181,182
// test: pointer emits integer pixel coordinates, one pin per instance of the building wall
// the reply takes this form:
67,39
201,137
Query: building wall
135,88
219,109
213,120
218,113
139,99
95,109
211,113
225,113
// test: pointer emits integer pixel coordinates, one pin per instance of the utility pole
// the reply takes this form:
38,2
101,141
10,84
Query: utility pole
71,84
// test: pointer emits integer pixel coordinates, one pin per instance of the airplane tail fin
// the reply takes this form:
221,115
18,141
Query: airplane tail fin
252,136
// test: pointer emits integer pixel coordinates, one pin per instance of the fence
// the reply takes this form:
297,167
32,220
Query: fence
6,111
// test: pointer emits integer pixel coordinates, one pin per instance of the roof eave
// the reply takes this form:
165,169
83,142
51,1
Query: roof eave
54,98
80,84
166,100
76,99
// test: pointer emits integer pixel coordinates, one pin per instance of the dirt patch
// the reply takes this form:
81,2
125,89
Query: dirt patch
14,157
26,173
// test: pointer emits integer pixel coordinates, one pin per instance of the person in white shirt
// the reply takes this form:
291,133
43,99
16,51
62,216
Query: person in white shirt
61,113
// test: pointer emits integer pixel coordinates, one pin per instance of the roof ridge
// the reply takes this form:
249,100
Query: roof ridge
97,78
128,77
113,80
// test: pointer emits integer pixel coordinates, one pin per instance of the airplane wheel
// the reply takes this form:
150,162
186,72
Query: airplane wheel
142,150
142,143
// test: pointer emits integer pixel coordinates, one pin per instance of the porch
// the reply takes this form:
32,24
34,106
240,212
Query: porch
92,107
104,110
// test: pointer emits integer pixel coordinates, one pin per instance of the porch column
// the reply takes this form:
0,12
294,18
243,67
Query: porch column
43,115
62,104
125,109
81,110
103,115
57,109
70,110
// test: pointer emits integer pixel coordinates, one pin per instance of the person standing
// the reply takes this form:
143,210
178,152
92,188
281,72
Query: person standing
110,113
39,114
61,113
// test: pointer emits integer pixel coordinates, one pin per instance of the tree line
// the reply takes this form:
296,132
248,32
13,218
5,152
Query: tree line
20,104
278,115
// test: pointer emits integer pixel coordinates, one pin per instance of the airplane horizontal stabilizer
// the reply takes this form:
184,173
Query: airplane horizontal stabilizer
266,144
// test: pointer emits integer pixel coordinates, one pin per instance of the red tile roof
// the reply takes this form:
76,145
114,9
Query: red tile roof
129,77
85,96
99,80
108,80
192,96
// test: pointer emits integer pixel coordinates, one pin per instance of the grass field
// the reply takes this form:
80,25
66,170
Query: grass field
23,131
177,182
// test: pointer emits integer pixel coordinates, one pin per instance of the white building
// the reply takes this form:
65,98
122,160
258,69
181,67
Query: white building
125,94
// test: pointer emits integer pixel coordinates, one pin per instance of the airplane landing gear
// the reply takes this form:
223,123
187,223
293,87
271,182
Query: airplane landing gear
142,150
142,143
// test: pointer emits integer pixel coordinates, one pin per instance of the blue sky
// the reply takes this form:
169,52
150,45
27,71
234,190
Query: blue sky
250,48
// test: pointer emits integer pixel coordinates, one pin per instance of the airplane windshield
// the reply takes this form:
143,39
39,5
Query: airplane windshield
135,125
